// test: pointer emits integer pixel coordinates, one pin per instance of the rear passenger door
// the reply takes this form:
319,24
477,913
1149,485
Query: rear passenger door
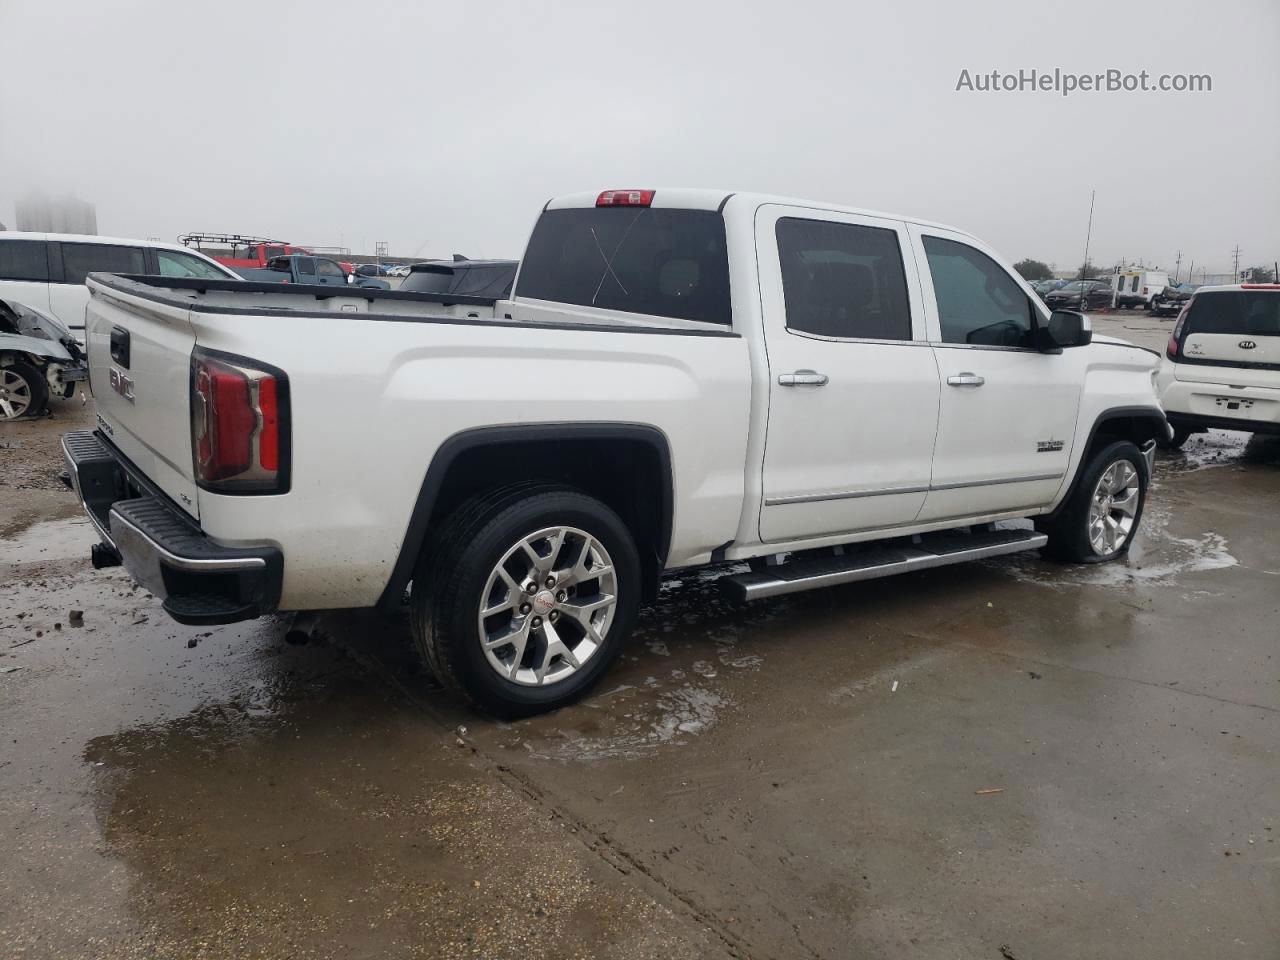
853,385
306,268
72,262
1008,413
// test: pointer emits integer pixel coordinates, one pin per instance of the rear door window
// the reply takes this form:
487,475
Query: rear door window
659,262
1253,313
843,280
24,260
81,259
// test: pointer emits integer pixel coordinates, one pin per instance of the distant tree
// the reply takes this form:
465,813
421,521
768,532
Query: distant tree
1033,270
1261,275
1088,270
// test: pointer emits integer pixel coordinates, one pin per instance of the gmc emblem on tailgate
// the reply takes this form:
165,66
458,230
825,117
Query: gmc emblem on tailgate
1248,345
121,384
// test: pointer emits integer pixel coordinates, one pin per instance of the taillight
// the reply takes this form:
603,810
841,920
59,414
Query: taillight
1172,350
239,424
625,198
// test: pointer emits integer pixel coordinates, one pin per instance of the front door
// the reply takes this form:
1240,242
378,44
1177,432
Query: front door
853,385
1008,412
329,272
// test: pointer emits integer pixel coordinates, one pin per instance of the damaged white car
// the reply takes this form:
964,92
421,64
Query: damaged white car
39,358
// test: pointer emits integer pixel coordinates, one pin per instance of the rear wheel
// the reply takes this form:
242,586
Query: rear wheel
23,391
524,600
1180,436
1102,515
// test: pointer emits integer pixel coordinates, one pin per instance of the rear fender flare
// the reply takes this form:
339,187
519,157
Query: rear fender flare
459,443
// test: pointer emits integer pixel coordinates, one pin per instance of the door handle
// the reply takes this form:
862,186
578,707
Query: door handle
808,378
966,380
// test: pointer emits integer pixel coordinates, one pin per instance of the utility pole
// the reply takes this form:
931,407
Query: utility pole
1236,253
1177,268
1088,233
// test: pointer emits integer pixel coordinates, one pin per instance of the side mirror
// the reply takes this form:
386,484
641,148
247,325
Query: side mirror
351,278
1066,328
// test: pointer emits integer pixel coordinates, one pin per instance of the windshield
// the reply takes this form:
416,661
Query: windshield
1075,286
659,262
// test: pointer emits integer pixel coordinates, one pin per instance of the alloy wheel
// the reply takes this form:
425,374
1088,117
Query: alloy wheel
15,395
1113,510
547,606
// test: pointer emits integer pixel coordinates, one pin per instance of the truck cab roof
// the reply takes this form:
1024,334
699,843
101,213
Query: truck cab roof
686,198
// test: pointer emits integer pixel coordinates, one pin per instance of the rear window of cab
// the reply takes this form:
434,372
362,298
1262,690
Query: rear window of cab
653,261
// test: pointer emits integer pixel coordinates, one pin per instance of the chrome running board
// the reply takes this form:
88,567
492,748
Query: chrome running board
873,561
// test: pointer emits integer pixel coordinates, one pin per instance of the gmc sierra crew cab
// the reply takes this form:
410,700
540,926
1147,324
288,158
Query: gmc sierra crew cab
804,393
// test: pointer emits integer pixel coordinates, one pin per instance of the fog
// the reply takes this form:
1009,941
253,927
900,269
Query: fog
444,127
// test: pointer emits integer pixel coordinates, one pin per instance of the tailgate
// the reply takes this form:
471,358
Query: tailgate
1247,360
140,371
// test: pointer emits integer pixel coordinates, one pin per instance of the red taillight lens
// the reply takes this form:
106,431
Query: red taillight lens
269,436
625,198
239,425
1172,350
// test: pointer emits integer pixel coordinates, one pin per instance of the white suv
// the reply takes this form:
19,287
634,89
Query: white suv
46,271
1224,368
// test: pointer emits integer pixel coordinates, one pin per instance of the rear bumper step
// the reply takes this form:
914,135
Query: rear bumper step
879,560
198,580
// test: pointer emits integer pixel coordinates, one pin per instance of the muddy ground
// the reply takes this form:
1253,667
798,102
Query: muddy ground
1006,759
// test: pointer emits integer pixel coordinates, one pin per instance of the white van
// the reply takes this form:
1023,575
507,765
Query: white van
46,271
1137,288
1224,362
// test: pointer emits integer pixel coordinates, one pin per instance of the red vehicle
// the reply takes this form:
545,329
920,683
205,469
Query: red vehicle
241,252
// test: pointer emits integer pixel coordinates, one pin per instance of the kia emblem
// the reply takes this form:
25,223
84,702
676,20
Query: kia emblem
1248,345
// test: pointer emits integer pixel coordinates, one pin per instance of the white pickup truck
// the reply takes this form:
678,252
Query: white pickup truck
680,378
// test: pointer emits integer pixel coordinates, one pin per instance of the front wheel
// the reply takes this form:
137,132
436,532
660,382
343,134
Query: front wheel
524,600
23,391
1101,516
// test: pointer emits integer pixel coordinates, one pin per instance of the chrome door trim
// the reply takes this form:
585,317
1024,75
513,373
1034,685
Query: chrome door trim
1035,478
842,495
891,491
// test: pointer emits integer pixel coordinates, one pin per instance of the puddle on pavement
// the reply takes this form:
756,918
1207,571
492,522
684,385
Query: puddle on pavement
669,686
1219,448
1158,555
49,540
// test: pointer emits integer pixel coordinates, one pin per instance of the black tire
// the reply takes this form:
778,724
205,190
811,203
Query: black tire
1180,436
1069,530
455,568
32,382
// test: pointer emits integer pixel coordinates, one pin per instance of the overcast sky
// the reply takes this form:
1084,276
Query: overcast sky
443,127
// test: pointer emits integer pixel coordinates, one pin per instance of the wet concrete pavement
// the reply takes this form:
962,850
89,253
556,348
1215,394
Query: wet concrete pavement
1011,756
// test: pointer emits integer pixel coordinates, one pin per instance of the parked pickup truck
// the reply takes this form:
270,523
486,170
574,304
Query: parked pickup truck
802,393
242,253
303,268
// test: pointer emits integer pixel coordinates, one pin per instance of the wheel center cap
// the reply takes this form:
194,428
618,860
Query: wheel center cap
544,603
